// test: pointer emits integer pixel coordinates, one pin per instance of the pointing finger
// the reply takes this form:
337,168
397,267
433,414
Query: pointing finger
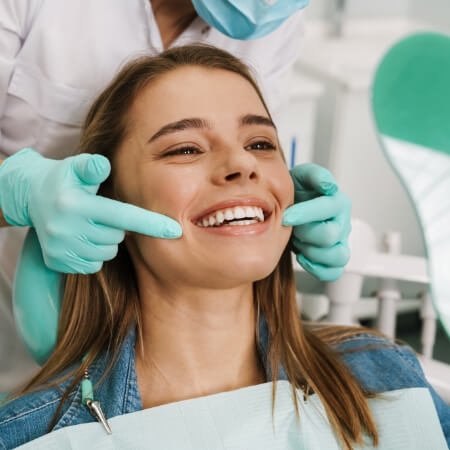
125,216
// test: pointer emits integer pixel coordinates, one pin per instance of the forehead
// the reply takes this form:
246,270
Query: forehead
190,91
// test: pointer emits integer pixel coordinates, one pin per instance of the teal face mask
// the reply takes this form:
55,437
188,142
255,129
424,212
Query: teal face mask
249,19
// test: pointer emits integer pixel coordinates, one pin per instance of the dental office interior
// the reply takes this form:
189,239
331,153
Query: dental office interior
398,277
368,98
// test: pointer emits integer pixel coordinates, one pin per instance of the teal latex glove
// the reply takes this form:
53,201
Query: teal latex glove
77,229
321,221
37,294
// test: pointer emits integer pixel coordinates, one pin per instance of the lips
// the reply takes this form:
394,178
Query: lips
267,210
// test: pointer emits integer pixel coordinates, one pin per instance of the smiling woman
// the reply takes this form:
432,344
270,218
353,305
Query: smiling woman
213,311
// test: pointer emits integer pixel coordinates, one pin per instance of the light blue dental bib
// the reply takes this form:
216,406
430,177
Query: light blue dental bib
242,420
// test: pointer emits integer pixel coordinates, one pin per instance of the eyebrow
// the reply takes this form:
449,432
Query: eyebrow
254,119
180,125
196,122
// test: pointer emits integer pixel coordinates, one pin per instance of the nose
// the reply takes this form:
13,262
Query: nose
236,166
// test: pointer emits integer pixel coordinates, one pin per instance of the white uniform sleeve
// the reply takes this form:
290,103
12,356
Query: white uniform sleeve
289,38
16,17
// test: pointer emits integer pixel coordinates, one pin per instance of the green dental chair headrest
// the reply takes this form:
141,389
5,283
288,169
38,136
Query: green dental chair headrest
411,105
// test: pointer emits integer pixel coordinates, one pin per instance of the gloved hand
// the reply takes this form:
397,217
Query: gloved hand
321,221
77,229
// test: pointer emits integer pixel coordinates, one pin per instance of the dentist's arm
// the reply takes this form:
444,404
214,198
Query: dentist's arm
321,220
77,229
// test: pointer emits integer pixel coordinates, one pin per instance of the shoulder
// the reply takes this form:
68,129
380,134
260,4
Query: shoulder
381,364
29,417
26,418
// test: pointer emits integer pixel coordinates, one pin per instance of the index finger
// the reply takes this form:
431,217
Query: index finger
129,217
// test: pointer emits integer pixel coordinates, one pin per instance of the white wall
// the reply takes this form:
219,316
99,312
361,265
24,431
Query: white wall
324,9
435,12
375,9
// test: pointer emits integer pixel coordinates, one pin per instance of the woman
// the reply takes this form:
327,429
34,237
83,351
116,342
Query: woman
189,136
54,60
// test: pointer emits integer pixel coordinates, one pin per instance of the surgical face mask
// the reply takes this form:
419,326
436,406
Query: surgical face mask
246,19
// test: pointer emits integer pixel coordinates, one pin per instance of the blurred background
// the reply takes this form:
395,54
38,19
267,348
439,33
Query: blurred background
329,121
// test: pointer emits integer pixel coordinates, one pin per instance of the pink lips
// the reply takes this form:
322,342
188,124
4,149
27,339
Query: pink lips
235,202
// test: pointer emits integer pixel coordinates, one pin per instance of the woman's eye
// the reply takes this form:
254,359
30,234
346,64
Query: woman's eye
183,151
261,145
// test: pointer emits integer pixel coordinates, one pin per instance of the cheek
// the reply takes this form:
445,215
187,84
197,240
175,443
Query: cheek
287,187
148,253
281,183
283,189
162,189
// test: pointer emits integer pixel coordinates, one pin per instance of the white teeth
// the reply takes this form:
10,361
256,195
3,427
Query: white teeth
260,214
251,214
239,213
229,214
220,217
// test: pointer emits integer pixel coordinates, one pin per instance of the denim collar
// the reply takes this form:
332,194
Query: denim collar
118,393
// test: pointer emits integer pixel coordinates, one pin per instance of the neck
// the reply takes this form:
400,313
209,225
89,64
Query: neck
195,343
172,17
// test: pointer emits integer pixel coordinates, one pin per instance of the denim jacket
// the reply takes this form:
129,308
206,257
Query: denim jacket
378,365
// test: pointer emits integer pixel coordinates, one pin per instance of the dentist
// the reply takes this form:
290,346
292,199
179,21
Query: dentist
55,57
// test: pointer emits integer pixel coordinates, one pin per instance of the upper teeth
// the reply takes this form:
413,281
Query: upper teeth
238,212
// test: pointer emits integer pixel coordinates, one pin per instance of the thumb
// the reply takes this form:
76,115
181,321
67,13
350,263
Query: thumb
91,169
312,177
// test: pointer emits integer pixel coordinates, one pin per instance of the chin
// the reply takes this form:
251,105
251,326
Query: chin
246,270
248,263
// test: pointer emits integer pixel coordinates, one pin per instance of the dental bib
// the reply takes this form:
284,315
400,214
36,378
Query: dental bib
242,420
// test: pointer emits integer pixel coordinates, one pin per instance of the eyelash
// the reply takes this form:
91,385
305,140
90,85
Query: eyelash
181,151
268,146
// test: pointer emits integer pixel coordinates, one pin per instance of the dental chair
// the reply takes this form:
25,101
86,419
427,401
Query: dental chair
411,104
411,108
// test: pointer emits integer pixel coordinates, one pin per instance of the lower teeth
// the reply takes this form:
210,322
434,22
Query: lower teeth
232,223
243,222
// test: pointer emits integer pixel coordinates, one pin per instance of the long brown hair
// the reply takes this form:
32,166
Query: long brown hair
98,310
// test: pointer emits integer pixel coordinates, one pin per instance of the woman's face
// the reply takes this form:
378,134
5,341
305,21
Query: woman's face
201,149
